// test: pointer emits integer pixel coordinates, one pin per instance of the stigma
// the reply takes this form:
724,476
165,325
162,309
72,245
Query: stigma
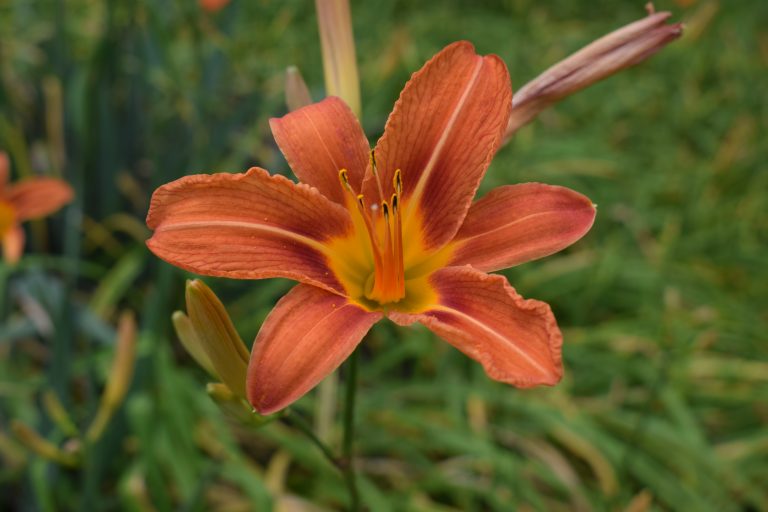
383,224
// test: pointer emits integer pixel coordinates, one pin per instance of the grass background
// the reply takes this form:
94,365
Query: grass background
663,305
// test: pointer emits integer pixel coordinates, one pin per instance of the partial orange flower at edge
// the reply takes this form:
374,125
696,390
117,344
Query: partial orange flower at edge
26,200
213,6
393,233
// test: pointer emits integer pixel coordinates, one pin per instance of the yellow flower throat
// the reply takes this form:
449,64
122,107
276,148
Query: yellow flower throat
384,264
387,282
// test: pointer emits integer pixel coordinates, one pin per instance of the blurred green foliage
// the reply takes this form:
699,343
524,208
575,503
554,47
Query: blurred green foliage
664,305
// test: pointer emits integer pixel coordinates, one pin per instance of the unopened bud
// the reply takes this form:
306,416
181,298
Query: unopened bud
234,405
41,446
120,375
217,336
610,54
338,45
296,90
220,392
186,333
58,413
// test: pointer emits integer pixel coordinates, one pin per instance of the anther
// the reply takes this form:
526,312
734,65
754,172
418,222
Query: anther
375,172
372,158
397,182
344,179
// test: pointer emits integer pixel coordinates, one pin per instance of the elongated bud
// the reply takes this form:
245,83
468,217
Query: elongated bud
220,392
338,45
610,54
120,375
296,90
192,344
217,336
235,406
41,446
12,456
58,413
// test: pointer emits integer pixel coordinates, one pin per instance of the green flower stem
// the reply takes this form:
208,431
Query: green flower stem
301,424
344,463
349,433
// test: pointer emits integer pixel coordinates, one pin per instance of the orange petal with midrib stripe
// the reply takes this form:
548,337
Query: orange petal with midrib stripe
516,340
247,226
518,223
321,139
308,334
442,134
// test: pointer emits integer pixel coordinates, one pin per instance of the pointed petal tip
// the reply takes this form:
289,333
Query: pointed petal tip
514,224
548,375
516,340
264,407
319,139
442,133
308,334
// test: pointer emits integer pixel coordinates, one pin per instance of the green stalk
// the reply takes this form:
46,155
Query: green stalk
349,433
301,424
345,462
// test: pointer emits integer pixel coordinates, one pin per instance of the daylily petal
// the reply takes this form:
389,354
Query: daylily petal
13,244
321,139
246,226
38,197
516,340
518,223
442,135
307,336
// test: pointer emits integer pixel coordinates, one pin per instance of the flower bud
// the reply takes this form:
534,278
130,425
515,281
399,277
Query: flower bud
41,446
120,376
338,45
610,54
217,336
296,91
191,343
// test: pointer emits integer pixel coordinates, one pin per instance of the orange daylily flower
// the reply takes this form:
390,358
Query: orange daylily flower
213,6
28,199
390,233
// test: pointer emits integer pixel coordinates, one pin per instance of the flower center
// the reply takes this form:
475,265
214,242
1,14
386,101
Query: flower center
7,218
383,225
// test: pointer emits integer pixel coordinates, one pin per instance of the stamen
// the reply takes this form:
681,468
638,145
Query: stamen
375,171
378,260
344,179
387,231
398,246
389,287
387,283
397,182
